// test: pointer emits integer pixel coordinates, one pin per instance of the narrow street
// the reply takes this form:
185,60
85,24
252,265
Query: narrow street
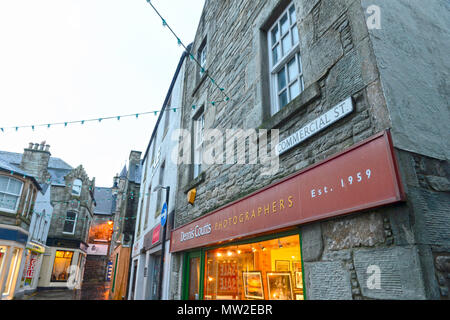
89,291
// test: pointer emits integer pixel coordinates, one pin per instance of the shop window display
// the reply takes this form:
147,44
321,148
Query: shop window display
2,259
267,270
28,269
63,260
12,275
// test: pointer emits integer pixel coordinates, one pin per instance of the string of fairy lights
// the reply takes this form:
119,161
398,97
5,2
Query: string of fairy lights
226,98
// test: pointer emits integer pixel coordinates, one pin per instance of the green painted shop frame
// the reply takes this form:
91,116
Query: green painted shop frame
198,256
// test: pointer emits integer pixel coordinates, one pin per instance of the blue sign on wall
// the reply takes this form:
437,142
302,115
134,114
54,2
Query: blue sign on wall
164,215
109,271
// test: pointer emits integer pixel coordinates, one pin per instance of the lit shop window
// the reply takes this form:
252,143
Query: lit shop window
13,270
2,259
63,260
10,191
267,270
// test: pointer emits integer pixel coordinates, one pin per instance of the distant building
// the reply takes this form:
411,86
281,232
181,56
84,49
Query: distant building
64,211
148,280
100,234
18,192
126,191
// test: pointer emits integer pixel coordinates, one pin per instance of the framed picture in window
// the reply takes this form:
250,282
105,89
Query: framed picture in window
282,265
298,280
253,285
296,266
299,296
279,285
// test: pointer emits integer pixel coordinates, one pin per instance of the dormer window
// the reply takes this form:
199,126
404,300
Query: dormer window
76,188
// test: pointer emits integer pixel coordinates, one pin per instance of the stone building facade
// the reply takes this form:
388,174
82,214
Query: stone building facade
60,214
72,197
343,54
18,192
126,190
150,277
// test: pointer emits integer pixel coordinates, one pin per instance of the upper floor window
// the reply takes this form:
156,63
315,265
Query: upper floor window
167,116
201,56
76,188
286,75
70,222
10,191
199,128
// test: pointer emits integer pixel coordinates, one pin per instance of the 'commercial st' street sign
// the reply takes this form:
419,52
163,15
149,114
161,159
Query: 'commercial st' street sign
338,112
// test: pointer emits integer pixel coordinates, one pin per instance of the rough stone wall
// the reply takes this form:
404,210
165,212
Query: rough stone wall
338,61
411,46
95,268
63,201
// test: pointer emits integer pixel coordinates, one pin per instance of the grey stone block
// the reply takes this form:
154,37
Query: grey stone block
432,216
355,231
400,273
312,243
327,281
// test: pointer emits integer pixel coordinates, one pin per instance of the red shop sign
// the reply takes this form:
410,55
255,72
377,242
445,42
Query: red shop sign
156,233
362,177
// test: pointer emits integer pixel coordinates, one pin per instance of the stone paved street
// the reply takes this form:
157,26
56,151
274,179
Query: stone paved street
89,291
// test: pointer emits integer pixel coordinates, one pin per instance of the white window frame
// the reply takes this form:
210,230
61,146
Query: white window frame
12,194
31,204
80,185
284,59
202,56
74,222
199,131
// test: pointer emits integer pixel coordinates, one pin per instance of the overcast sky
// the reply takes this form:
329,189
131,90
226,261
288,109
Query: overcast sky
63,60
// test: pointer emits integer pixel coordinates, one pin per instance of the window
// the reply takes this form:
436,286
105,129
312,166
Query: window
286,75
63,260
160,200
44,231
28,269
199,128
202,53
266,270
31,206
76,188
2,259
147,211
167,117
70,222
26,207
10,191
13,272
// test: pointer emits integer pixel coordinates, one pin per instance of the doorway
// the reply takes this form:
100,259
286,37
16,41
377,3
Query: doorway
193,288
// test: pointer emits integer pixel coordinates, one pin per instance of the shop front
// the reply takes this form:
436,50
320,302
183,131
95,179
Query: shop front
12,246
34,254
62,268
152,271
251,249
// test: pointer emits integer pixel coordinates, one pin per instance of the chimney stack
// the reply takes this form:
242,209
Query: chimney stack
35,160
